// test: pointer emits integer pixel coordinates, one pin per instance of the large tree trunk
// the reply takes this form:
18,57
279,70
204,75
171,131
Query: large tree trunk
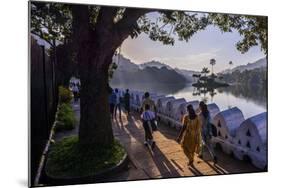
95,124
95,49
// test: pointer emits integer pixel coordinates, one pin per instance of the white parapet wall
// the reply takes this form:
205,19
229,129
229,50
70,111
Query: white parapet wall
227,122
133,100
182,109
172,106
156,97
251,137
136,97
213,109
245,139
162,102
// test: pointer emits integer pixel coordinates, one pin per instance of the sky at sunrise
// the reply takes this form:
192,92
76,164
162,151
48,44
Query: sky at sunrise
194,54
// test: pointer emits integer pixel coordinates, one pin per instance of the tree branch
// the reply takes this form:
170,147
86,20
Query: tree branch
105,17
125,26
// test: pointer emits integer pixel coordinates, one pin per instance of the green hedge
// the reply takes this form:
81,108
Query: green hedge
65,95
66,159
65,118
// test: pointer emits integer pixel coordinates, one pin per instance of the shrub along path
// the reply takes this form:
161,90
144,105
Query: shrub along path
59,135
167,158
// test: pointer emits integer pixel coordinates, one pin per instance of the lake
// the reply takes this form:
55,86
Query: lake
251,100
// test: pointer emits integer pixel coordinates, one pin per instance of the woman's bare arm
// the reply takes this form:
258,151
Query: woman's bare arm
182,130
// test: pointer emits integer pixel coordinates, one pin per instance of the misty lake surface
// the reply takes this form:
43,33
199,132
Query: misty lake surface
251,100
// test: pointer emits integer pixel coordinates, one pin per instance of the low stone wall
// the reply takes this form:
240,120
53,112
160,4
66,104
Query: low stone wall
244,139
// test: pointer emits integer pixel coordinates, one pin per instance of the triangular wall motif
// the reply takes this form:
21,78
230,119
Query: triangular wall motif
248,133
248,144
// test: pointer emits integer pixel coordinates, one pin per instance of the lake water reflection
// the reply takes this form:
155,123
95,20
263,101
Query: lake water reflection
251,100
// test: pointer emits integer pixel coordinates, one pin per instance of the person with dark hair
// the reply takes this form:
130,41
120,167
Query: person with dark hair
189,136
112,101
201,103
127,101
206,132
118,103
75,90
148,101
148,117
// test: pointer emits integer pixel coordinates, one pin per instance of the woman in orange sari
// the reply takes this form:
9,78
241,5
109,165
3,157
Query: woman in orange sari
190,134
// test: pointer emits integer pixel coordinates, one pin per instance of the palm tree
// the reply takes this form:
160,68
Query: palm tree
194,76
205,71
230,63
212,62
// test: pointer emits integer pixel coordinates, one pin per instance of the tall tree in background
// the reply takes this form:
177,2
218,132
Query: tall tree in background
52,23
212,62
96,32
205,71
230,63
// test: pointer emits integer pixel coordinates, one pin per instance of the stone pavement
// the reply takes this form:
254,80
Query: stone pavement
167,158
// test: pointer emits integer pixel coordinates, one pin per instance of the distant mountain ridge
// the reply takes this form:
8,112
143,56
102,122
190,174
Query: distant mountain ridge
154,63
151,72
186,73
250,66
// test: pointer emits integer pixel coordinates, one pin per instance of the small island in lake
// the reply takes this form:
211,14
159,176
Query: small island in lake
208,81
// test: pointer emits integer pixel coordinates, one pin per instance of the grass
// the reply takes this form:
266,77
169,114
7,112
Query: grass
66,118
67,160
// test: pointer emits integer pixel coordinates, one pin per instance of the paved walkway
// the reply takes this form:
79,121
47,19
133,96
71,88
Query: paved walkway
167,158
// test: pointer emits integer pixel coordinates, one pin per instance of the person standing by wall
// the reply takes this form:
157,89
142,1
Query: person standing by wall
118,103
206,132
127,101
112,101
190,134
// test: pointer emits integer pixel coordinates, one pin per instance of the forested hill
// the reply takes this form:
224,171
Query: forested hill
250,66
257,76
127,71
148,75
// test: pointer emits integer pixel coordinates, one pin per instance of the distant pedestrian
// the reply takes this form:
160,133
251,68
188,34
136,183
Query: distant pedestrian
112,101
206,132
75,91
148,117
118,103
148,101
127,101
190,134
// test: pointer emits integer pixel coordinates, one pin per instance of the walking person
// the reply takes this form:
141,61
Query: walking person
148,101
189,136
206,132
127,101
118,104
148,117
75,91
112,101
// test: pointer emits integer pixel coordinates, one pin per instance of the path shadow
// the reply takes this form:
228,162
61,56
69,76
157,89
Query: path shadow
195,171
162,163
177,165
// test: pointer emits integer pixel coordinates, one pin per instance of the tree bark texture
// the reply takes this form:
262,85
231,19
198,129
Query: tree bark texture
95,49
